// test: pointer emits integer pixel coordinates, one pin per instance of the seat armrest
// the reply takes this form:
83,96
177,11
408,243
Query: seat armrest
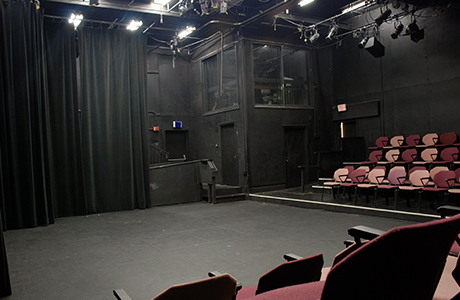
121,295
363,232
239,286
291,257
448,210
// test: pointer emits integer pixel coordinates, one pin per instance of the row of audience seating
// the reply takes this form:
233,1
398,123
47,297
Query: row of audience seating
437,183
417,261
415,140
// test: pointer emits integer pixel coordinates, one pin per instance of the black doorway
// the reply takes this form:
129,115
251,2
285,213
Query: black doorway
176,144
295,154
229,154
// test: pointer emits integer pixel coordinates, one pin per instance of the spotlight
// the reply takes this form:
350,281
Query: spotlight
398,31
75,20
305,2
134,25
416,34
363,43
314,36
375,48
382,17
188,30
332,31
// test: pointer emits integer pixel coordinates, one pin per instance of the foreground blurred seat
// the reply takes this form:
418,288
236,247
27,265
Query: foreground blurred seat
221,287
403,263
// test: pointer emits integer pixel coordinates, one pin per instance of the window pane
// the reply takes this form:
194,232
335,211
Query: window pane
212,77
295,77
229,82
211,81
267,74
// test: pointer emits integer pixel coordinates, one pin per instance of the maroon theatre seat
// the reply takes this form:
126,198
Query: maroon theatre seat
403,263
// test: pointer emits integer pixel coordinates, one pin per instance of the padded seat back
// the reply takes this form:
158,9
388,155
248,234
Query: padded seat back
222,287
291,273
444,179
403,263
449,154
429,154
419,178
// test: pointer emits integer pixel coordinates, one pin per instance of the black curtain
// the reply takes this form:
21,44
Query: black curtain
26,199
114,118
62,116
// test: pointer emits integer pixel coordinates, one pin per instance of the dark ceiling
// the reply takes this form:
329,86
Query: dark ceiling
258,14
162,24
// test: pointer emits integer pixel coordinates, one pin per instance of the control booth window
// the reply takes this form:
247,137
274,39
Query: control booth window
220,81
280,76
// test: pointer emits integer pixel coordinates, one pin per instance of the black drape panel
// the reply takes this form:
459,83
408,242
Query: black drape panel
26,192
114,118
64,140
5,285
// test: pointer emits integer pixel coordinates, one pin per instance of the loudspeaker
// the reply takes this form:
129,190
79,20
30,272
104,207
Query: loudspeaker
375,47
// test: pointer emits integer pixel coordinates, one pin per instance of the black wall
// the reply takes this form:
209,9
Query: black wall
413,88
417,84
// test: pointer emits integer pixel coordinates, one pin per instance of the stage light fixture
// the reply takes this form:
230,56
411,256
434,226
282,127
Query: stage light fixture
134,25
314,36
353,6
398,31
382,18
363,42
75,20
333,30
305,2
187,31
416,34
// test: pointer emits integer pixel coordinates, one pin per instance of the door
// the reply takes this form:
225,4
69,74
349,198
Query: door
295,154
229,154
176,144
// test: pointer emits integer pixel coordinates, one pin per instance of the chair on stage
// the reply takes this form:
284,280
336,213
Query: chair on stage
380,143
412,141
339,175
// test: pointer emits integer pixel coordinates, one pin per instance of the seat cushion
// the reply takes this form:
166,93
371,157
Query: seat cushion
306,291
246,292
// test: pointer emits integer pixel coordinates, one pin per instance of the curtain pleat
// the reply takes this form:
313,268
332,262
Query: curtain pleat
26,195
62,117
114,119
69,149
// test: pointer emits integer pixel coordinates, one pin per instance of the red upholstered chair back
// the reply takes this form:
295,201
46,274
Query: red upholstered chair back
403,263
396,174
448,138
444,179
413,140
382,141
291,273
222,287
449,154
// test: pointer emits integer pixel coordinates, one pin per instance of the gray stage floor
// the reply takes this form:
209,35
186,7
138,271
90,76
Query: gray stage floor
146,251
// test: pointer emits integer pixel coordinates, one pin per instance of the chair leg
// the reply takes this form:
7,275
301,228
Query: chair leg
396,198
419,195
375,195
322,193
